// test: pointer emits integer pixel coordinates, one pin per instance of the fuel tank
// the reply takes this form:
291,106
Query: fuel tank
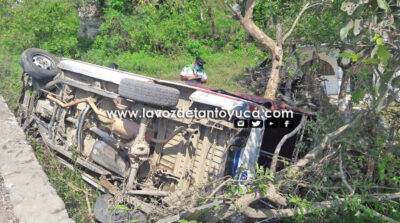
107,157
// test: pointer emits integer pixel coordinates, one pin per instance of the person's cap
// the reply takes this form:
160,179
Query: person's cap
113,66
200,61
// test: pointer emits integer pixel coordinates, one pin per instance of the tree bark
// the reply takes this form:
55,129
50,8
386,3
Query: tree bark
274,78
210,15
343,91
345,64
275,46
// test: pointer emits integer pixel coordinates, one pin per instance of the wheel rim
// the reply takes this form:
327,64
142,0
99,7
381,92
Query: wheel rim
42,62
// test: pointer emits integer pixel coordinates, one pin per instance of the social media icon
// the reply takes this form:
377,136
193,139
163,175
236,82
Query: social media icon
286,123
240,123
256,123
271,123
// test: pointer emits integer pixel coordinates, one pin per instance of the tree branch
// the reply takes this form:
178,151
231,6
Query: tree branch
237,13
322,145
88,206
305,7
271,194
219,187
325,141
283,140
250,27
282,213
278,34
344,176
249,9
379,215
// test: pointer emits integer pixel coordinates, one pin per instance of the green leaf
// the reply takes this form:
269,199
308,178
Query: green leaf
358,95
383,4
123,207
345,54
240,189
383,54
379,41
352,56
376,36
381,170
293,200
371,61
233,189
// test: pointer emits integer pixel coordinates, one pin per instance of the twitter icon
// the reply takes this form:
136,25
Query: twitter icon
256,123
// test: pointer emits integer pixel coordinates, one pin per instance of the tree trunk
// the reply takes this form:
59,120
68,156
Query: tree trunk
210,15
343,91
345,64
275,46
201,11
276,52
273,82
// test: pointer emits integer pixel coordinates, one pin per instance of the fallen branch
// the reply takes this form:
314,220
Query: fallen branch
283,140
88,206
322,145
289,212
283,213
343,176
219,188
379,215
243,202
391,196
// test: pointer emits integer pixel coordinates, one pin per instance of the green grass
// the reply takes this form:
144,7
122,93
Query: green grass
73,190
10,78
222,69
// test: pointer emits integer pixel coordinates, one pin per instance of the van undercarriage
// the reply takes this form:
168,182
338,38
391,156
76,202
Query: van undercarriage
137,159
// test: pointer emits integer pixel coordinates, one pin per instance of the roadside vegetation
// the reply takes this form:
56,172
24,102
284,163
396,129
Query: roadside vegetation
157,40
355,159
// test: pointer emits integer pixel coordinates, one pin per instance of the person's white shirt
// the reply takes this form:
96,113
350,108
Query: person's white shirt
189,70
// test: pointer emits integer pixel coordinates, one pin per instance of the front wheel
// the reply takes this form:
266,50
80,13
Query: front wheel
39,64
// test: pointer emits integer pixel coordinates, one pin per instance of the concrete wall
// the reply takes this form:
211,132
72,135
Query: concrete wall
33,199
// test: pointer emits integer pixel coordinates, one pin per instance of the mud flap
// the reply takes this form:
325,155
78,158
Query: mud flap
246,158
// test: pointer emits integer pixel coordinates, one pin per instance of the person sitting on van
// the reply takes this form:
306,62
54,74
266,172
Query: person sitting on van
194,73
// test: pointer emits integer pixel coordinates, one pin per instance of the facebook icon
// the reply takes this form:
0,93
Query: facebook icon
286,123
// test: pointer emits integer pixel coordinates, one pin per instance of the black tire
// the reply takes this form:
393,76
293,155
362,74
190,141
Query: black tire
104,214
39,64
149,93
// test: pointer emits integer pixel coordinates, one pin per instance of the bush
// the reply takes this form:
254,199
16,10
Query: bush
50,25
